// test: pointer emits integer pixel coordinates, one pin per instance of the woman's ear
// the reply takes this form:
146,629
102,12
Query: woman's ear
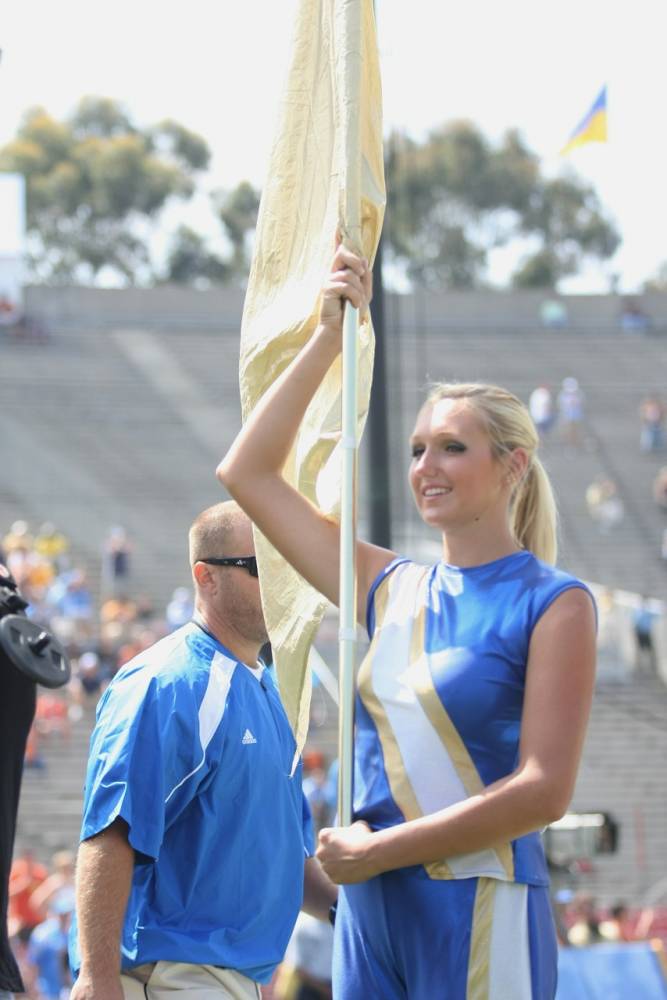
517,466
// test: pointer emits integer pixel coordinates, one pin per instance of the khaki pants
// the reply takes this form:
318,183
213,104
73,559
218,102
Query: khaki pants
159,981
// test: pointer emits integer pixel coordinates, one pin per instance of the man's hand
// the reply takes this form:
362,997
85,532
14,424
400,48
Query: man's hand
97,988
346,853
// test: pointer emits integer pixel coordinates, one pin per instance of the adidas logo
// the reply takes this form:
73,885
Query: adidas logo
248,737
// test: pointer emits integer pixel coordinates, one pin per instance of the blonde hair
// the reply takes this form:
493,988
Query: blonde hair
533,513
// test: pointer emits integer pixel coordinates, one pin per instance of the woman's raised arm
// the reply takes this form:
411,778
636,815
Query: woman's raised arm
252,469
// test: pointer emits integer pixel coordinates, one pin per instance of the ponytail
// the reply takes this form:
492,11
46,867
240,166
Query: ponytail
533,515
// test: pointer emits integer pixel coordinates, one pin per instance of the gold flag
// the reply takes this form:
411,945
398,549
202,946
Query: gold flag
330,120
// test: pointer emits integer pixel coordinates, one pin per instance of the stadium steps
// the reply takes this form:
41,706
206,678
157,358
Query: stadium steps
615,372
49,817
89,442
623,773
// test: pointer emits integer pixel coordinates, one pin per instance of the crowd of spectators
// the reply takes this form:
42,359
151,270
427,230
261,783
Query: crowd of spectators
564,411
632,316
561,413
100,627
581,922
41,903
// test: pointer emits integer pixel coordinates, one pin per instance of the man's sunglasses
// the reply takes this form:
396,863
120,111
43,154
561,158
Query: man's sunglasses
245,562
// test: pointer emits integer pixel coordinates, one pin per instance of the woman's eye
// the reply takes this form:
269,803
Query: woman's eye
417,450
455,446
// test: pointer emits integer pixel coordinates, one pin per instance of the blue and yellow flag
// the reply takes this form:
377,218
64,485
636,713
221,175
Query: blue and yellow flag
592,127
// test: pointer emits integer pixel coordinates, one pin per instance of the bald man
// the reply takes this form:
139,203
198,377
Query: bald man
196,838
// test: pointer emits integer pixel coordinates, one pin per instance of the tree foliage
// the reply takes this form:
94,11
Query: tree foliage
96,184
94,180
455,197
190,262
237,211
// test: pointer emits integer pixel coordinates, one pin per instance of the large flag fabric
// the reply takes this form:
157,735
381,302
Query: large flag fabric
592,127
325,169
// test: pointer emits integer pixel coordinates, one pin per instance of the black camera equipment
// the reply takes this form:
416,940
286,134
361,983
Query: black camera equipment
30,648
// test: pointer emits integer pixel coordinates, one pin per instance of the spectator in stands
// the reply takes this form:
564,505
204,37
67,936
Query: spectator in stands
585,929
106,649
18,546
119,608
652,923
612,626
138,640
179,609
33,757
53,545
47,950
604,504
58,887
617,926
643,619
553,314
116,562
38,574
18,537
90,681
315,788
71,596
632,318
541,406
308,961
560,901
51,714
571,410
660,489
652,416
145,608
26,875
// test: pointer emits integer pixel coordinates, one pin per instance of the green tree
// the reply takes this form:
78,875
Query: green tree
566,216
95,182
189,261
457,196
237,211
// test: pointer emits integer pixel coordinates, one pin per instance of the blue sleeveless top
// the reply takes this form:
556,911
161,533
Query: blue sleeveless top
440,696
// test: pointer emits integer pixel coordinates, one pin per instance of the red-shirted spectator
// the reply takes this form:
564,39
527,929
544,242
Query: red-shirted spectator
26,875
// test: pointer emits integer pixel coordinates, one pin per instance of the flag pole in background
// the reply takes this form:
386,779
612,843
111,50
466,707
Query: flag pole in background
349,14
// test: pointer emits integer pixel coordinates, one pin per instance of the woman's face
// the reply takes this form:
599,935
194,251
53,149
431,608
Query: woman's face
455,478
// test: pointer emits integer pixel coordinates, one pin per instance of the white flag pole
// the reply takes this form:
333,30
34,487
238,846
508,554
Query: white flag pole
348,21
348,576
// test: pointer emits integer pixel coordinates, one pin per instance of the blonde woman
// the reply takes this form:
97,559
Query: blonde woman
473,699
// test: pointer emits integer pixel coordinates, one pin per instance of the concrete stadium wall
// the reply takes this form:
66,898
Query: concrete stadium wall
177,308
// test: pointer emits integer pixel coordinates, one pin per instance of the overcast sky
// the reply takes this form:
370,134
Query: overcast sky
530,64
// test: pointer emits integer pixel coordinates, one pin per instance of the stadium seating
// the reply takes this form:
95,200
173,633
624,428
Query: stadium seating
123,423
